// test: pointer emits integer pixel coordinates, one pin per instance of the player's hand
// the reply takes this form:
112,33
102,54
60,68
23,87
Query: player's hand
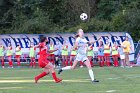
56,49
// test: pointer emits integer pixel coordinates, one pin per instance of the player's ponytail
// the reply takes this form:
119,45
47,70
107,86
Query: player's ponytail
76,36
42,39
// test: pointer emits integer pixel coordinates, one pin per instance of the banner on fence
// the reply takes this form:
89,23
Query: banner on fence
24,40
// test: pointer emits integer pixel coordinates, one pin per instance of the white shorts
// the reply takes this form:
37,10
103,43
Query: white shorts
81,57
138,62
122,56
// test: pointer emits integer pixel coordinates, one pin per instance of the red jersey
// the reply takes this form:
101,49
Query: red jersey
43,50
43,55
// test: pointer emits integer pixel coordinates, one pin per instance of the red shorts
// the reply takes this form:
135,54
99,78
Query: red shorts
18,56
42,62
73,55
106,54
100,56
51,54
115,55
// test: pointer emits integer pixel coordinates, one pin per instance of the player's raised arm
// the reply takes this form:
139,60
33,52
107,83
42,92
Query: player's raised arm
51,51
36,46
76,45
94,41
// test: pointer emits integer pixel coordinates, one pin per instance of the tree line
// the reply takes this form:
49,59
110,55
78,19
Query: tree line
56,16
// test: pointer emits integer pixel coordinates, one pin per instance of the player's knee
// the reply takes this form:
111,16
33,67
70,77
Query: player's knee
89,67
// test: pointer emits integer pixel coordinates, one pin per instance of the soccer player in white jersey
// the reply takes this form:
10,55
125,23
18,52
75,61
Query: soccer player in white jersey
81,44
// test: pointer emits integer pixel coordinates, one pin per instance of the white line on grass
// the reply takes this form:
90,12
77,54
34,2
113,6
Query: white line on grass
134,76
9,88
110,91
30,81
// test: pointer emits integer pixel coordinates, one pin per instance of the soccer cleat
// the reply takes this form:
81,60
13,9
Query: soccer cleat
94,81
58,80
36,79
59,71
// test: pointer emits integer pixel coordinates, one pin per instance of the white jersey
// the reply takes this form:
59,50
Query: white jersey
82,45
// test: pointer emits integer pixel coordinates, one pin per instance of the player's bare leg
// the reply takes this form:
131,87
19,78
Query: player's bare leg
2,61
66,60
90,59
52,70
71,59
68,67
10,61
63,60
44,73
49,68
88,65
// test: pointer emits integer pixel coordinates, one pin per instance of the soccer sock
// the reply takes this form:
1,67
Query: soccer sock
54,76
91,74
117,63
91,63
53,61
108,62
31,63
66,68
66,63
34,64
10,63
41,75
114,63
63,63
2,63
102,63
81,63
18,63
71,63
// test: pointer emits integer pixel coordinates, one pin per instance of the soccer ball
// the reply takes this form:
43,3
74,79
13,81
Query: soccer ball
83,16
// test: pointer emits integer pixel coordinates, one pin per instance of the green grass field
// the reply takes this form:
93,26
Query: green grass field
115,80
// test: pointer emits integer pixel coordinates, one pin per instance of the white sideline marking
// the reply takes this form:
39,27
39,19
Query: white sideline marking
135,76
14,77
10,87
31,81
114,78
110,91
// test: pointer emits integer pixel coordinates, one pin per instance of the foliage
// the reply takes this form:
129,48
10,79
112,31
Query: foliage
45,16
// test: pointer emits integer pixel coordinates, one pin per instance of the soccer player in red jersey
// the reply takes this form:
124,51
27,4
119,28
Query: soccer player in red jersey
44,63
